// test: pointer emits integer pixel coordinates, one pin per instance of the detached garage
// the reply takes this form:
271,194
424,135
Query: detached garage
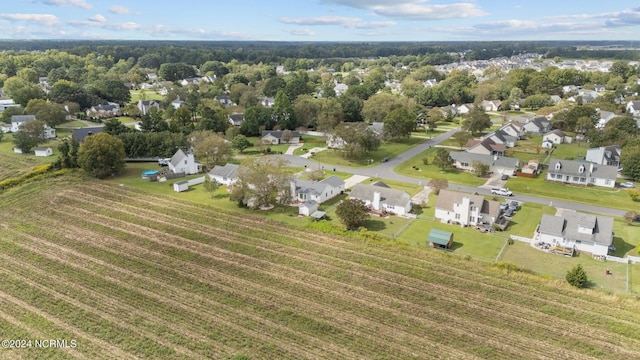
440,239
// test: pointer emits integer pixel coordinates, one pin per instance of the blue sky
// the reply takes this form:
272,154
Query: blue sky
321,20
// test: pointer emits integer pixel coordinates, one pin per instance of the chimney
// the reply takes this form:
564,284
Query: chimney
590,168
292,186
376,200
495,157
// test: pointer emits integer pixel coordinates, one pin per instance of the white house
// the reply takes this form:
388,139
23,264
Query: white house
604,155
538,125
5,128
605,117
491,105
110,109
235,119
497,164
7,103
464,108
182,162
145,106
379,197
177,103
308,207
557,137
583,232
582,173
633,107
19,120
513,128
44,151
318,191
225,175
276,137
465,209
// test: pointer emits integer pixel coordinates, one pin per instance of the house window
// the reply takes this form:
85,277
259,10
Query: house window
552,176
576,179
608,182
472,219
583,180
473,208
593,180
457,216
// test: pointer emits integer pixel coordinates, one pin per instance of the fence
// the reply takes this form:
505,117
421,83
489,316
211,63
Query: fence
616,259
196,181
521,238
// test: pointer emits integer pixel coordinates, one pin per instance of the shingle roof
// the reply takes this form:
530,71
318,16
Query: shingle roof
229,171
568,224
333,181
81,133
571,167
22,118
278,133
491,160
178,157
388,196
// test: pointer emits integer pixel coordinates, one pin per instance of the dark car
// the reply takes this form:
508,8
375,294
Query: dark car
504,177
509,212
384,160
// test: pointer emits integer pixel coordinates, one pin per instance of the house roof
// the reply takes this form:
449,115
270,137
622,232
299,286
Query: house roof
278,133
22,118
607,153
571,167
439,237
43,148
81,133
569,223
333,180
177,158
447,199
556,132
227,171
491,160
387,195
108,107
540,122
317,187
236,119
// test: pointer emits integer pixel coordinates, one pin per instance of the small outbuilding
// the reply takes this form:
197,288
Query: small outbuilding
180,186
440,239
44,151
308,207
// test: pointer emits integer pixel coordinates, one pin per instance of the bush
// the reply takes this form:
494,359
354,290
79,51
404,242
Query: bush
425,161
634,194
577,277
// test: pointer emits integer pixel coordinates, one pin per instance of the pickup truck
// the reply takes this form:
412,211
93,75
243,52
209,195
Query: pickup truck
501,192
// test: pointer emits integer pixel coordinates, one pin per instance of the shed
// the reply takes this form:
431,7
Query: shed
308,207
44,151
181,186
440,239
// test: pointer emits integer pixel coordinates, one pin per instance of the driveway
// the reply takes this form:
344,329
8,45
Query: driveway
494,182
352,181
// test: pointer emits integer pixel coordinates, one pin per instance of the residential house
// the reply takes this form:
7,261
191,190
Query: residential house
538,125
604,155
513,128
275,137
531,167
570,88
491,105
454,207
190,81
380,198
308,207
582,173
5,128
177,103
236,119
44,151
557,136
108,110
546,144
633,107
486,146
152,77
318,191
81,133
225,100
556,99
7,103
145,106
599,88
225,175
182,162
501,137
464,108
583,232
497,164
18,121
605,117
340,89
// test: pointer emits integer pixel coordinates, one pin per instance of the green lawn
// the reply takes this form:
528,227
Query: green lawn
71,125
15,164
412,189
148,95
526,220
626,238
386,150
327,173
430,171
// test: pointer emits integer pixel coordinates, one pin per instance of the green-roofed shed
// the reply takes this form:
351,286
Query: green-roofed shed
440,239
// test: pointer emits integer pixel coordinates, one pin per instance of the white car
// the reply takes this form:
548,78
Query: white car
627,184
502,192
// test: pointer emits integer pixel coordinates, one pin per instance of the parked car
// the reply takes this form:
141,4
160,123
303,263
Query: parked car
509,212
627,184
502,192
384,160
504,177
504,206
164,162
514,205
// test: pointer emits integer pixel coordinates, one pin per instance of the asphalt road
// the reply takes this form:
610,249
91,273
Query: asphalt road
385,170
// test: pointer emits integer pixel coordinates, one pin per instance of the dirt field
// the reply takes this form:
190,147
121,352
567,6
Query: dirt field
131,275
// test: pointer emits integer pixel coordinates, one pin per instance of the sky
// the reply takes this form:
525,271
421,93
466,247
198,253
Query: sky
321,20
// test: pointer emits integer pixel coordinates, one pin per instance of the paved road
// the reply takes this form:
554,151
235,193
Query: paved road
385,170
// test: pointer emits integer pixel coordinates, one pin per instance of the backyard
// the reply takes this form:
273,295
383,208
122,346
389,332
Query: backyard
387,150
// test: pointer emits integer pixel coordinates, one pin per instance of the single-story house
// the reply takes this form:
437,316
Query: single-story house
605,117
557,137
454,207
225,100
502,137
485,147
497,164
44,151
182,162
604,155
491,105
440,239
538,125
81,133
546,144
236,119
110,109
532,167
582,173
225,175
318,191
145,106
7,103
275,137
583,232
20,120
464,108
380,197
513,128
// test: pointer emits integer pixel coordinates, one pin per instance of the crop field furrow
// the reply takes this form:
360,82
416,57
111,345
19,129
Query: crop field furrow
197,310
281,296
523,317
117,313
497,317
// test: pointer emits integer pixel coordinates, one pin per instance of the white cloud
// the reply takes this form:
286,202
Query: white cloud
76,3
40,19
414,9
119,10
300,32
346,22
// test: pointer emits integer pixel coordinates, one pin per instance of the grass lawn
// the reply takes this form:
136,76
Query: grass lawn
148,95
626,238
386,150
15,164
412,189
327,173
540,262
526,220
71,125
430,171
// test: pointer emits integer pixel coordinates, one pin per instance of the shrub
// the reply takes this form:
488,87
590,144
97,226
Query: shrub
425,161
577,277
634,194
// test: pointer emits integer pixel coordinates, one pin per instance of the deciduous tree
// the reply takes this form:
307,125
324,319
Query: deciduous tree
476,121
210,148
101,155
240,142
442,159
399,123
353,213
630,160
24,141
262,180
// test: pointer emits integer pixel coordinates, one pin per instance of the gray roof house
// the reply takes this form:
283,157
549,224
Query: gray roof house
318,191
502,137
604,155
182,162
379,197
497,164
81,133
19,120
582,173
236,119
145,106
275,137
538,125
454,207
225,175
584,232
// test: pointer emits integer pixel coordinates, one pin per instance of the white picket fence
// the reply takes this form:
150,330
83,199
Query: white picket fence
521,238
624,260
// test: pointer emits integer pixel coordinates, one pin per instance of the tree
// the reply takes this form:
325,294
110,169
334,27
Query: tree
282,112
399,123
52,114
435,116
210,147
461,138
68,158
213,119
153,121
630,160
630,217
262,180
210,185
476,120
351,107
114,127
176,71
353,213
357,139
35,129
240,142
101,155
24,141
442,159
577,277
376,108
479,168
256,118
